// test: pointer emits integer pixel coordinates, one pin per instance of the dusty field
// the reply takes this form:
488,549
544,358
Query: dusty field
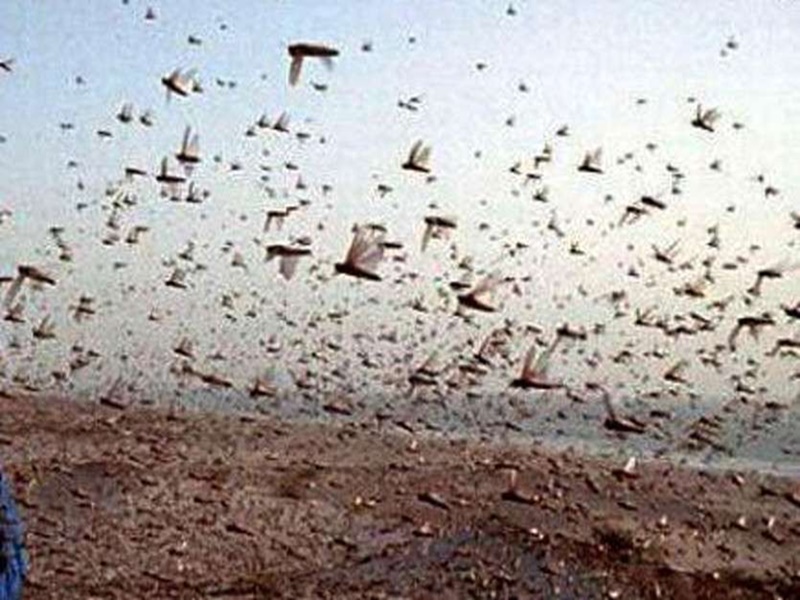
144,503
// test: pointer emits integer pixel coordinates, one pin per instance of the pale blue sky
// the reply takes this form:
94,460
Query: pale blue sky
584,62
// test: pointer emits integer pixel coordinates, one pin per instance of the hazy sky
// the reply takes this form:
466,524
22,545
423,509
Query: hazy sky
584,64
583,61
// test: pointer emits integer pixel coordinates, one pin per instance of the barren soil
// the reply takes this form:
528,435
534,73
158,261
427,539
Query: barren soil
148,503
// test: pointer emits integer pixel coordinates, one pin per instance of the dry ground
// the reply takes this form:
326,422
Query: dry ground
149,503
